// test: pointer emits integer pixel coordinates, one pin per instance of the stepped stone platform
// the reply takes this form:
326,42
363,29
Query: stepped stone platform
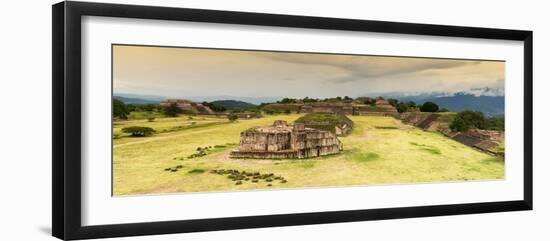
286,141
428,123
484,140
187,105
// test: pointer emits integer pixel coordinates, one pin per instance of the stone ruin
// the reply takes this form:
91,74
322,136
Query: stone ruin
286,141
187,105
326,107
484,140
340,129
381,108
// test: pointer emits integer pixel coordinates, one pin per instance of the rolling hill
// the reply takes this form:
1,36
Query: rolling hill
233,104
130,100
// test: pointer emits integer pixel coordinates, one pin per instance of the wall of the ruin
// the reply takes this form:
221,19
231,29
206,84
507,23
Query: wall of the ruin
277,144
258,141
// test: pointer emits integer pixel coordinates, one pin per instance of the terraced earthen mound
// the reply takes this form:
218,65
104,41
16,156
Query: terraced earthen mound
428,122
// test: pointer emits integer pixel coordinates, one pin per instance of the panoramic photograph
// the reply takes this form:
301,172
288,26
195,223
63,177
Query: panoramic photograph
188,120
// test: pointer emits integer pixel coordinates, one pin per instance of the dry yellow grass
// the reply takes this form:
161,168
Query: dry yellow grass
380,150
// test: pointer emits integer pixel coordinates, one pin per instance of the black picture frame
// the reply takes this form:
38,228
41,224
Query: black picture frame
66,127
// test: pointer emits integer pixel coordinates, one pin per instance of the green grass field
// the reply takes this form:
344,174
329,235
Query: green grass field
379,150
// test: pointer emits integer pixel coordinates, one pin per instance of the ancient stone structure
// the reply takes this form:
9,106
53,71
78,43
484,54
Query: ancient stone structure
341,128
484,140
327,107
187,105
286,141
381,108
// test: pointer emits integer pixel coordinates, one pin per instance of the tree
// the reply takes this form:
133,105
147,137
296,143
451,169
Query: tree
138,131
459,124
494,123
149,107
468,119
120,110
214,107
443,110
172,110
429,107
402,107
287,101
393,102
411,104
232,117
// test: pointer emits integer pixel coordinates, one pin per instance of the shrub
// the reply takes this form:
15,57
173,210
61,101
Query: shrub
495,123
459,124
197,171
232,117
393,102
468,119
402,107
429,107
138,131
120,110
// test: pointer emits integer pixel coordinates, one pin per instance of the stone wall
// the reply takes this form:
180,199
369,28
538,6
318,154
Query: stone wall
261,141
283,141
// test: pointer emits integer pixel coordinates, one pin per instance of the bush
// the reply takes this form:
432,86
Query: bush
468,119
402,107
429,107
393,102
120,110
138,131
495,123
232,117
198,171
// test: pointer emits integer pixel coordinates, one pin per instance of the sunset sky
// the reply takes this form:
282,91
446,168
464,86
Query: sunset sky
181,72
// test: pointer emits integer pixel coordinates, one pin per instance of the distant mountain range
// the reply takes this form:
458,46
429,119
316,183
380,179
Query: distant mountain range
487,100
130,100
490,105
139,99
233,104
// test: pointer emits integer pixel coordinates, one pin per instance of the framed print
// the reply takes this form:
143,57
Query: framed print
171,120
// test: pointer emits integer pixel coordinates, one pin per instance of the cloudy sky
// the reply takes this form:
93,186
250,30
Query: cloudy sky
181,72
